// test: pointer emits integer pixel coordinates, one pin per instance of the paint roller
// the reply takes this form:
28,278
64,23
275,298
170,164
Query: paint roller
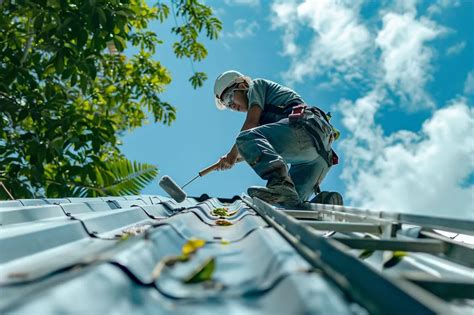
176,192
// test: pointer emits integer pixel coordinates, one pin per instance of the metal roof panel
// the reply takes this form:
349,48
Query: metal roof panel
101,255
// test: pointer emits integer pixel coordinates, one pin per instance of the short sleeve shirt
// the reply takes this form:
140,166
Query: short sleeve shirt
268,94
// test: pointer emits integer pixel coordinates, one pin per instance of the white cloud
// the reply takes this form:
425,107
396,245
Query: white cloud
420,172
344,51
426,171
469,83
243,29
285,17
405,58
441,5
251,3
456,48
338,44
405,6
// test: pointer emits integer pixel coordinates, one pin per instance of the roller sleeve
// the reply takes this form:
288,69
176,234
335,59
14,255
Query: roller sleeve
172,189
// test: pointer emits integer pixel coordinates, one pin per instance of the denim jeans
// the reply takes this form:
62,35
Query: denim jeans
269,148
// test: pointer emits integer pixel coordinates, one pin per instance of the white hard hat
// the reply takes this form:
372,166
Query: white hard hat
223,81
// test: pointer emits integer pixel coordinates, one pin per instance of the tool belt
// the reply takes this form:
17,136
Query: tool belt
316,122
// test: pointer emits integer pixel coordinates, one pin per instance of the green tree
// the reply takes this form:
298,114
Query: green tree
67,91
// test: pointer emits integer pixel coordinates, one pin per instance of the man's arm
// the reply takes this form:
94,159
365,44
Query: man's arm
253,117
251,121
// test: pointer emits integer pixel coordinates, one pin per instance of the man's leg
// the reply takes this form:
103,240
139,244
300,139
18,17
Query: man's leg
268,149
309,175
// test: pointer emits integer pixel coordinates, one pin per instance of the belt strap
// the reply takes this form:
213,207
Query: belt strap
314,130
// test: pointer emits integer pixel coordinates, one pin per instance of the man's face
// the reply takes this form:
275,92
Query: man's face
240,100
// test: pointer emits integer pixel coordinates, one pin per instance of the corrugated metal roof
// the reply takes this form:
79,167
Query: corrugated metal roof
100,255
70,257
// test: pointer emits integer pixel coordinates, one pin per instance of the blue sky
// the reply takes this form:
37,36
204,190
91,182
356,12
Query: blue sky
398,77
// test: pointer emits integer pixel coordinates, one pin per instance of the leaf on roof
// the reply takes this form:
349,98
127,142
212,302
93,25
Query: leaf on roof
203,273
155,274
167,261
132,231
18,275
394,258
192,246
366,254
222,222
188,249
220,212
123,236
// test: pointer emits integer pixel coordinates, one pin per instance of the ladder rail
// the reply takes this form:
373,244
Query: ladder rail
352,276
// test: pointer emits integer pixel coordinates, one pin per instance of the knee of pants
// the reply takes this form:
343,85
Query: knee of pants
243,138
246,144
245,135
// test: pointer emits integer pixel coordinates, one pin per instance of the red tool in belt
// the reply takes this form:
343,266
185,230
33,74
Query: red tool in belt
297,112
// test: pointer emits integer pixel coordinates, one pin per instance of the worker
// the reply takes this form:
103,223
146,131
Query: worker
279,129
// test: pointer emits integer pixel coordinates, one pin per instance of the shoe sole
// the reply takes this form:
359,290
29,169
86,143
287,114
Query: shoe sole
328,198
266,196
271,197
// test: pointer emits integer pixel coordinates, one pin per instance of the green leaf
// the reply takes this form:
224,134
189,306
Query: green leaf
82,36
50,69
92,69
68,72
393,259
110,89
84,82
59,61
366,254
38,23
120,43
192,246
54,3
220,212
101,15
57,144
203,272
163,11
197,80
126,178
73,79
68,78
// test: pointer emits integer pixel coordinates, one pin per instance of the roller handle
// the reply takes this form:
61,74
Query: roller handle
214,166
211,168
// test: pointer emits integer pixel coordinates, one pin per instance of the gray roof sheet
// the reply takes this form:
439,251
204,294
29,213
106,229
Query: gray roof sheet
68,256
98,255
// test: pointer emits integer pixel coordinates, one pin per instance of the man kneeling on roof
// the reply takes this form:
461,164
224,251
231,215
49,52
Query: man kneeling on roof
279,129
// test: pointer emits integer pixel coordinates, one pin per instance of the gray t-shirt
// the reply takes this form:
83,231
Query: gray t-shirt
273,98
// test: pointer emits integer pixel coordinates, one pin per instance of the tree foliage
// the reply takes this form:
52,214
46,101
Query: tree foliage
120,176
67,91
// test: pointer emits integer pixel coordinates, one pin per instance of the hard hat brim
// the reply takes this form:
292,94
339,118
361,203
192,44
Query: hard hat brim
219,103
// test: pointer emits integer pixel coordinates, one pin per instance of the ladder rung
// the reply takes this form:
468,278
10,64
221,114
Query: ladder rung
426,246
343,226
445,288
302,214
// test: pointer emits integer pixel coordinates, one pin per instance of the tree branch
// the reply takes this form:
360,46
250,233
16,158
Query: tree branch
28,45
5,188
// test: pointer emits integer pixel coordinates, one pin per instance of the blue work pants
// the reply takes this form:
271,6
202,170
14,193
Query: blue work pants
269,148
